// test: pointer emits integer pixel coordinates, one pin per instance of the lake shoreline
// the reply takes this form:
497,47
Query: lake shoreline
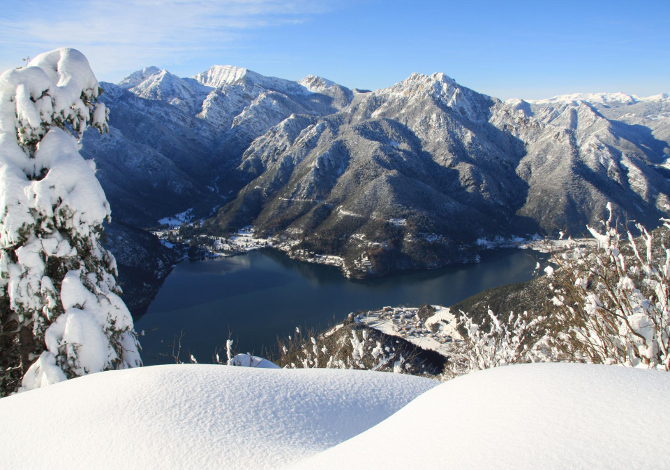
264,294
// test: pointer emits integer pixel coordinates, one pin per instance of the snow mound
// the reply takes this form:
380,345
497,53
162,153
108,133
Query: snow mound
523,416
196,416
248,360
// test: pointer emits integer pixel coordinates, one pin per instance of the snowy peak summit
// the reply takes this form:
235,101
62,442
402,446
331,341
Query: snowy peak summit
218,76
341,95
161,85
437,80
316,83
138,77
441,89
437,85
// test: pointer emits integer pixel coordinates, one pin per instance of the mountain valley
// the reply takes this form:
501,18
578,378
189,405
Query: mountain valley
419,175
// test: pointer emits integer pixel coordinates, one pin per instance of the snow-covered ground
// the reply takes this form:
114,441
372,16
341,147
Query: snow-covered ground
548,416
209,416
196,416
178,219
436,333
241,242
552,246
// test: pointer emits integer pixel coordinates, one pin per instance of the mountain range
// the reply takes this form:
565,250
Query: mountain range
411,176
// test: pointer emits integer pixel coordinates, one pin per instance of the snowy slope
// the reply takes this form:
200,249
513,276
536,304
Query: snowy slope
524,416
219,76
207,416
174,143
191,132
196,416
138,77
457,165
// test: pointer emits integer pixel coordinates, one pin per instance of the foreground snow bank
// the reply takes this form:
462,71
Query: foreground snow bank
208,416
196,416
523,416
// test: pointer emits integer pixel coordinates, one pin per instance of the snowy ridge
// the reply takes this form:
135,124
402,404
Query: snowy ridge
426,146
219,76
598,98
138,77
316,84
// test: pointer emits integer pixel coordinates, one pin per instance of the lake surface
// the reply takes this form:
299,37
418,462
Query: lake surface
260,295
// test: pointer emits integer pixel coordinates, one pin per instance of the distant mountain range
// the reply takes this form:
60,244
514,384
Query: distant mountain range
408,176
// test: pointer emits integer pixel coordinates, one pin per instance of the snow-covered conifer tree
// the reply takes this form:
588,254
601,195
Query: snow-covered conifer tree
60,312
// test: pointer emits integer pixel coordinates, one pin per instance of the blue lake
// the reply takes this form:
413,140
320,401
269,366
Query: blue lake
261,295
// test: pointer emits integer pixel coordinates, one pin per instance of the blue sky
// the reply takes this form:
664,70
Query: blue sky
529,49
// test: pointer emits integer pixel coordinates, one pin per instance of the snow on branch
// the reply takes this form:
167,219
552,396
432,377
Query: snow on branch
55,276
610,304
56,88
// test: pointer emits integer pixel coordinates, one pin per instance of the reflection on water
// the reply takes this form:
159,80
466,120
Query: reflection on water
215,266
264,294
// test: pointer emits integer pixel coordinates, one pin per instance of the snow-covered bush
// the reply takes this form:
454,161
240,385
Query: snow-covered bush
347,347
516,339
613,300
609,305
61,315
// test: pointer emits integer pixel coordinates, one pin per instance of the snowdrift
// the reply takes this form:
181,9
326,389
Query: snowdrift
195,416
206,416
548,416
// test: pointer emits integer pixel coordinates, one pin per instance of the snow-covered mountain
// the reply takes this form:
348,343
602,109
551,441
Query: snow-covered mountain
613,99
179,138
413,175
404,177
652,112
174,144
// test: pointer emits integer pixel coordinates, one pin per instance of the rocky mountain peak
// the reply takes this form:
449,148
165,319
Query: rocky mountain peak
218,76
314,82
441,90
163,85
138,77
439,82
